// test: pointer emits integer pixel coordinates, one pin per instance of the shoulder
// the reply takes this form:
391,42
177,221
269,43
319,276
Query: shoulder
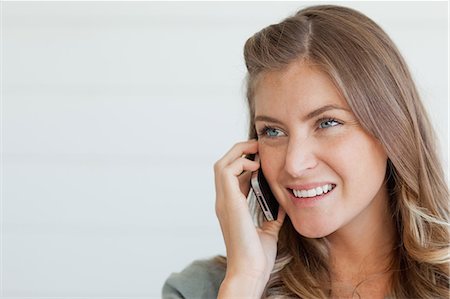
201,279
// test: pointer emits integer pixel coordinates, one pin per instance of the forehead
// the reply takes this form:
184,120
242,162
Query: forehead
299,86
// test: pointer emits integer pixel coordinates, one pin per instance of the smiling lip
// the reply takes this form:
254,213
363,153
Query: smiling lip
308,186
308,201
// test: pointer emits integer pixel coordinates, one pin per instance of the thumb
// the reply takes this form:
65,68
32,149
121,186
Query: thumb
273,227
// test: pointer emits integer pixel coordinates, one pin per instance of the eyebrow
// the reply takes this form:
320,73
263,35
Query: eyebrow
310,115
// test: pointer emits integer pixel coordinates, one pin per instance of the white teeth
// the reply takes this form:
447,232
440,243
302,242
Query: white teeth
314,191
311,192
319,190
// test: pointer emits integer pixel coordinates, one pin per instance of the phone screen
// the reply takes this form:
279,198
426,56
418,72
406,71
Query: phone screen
264,195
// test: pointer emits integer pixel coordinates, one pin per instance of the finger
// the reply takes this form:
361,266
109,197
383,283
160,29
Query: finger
234,171
238,150
244,182
228,184
241,165
235,188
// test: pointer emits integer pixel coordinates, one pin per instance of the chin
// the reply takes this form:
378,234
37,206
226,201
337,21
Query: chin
312,230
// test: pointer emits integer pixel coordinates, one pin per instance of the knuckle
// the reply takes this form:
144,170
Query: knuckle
217,166
239,144
227,172
219,211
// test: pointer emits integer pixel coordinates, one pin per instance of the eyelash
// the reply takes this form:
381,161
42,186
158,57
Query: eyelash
328,119
266,128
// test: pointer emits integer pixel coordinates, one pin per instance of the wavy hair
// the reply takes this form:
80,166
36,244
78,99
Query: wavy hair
369,71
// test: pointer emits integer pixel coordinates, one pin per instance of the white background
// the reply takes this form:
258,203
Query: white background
113,115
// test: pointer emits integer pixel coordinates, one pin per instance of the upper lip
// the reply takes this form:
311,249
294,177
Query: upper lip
308,186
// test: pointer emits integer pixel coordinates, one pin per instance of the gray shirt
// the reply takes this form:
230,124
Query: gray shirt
199,280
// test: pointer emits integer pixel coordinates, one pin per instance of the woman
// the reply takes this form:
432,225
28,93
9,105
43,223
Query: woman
349,153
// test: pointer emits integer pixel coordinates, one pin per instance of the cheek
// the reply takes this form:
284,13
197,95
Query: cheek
359,159
272,160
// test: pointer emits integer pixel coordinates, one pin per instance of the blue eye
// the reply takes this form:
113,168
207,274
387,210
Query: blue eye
328,123
270,132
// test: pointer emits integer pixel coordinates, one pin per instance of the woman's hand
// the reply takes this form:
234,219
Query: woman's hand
251,251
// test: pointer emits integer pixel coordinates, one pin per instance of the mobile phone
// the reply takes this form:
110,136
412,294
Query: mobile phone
269,205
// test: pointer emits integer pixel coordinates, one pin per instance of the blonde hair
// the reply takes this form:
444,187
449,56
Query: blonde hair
367,68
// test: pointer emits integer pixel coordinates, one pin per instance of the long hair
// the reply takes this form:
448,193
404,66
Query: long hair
370,73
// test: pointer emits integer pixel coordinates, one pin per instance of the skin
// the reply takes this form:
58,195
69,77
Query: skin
307,151
251,251
329,147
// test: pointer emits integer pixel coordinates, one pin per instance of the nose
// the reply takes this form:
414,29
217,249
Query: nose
300,157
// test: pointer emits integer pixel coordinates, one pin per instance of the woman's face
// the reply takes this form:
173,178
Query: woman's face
310,142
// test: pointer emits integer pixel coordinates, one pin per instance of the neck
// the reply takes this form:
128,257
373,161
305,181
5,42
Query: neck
363,249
